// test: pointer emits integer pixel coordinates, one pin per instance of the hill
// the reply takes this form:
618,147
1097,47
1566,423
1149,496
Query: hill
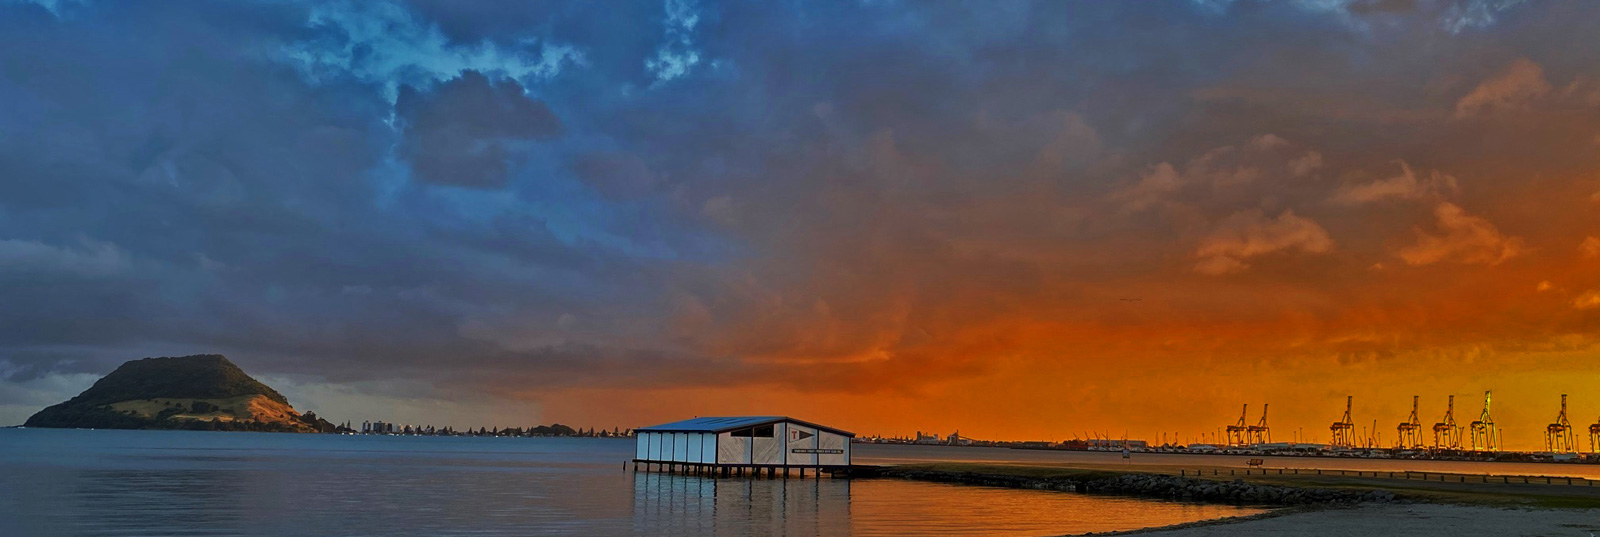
204,391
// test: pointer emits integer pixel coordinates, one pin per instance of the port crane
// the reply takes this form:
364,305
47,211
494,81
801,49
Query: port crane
1260,433
1559,436
1344,430
1238,433
1446,434
1594,437
1411,431
1485,436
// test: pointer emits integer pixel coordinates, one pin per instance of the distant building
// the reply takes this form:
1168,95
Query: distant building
1274,447
931,439
759,441
1107,443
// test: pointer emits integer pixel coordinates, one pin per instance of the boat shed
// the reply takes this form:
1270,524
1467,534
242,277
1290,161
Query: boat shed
758,442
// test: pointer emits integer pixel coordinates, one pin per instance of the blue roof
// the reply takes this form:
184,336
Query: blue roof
729,423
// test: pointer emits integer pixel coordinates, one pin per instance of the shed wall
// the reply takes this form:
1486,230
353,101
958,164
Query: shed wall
800,441
679,443
827,443
767,449
733,449
790,444
691,449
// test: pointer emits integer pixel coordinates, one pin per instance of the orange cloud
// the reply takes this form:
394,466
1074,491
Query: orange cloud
1522,86
1248,234
1587,301
1520,83
1265,158
1405,186
1156,183
1589,248
1462,238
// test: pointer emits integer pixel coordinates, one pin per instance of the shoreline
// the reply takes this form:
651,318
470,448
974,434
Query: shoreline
1235,491
1276,512
1265,487
1304,504
1417,520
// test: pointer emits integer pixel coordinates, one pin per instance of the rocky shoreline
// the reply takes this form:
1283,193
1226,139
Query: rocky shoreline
1145,486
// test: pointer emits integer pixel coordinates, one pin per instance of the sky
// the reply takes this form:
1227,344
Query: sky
1020,220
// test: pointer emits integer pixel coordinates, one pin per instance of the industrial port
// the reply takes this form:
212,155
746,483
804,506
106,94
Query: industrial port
1477,440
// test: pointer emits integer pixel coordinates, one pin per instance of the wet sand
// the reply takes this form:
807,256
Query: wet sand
1417,520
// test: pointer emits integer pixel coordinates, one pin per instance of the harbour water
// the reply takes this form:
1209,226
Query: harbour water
130,483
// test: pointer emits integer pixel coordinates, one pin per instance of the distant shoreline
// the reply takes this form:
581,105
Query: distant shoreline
1527,457
462,435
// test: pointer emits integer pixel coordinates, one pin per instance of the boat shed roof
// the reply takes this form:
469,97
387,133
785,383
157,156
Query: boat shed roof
729,423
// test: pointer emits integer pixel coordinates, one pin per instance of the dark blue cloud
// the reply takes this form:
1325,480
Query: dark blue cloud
468,130
652,187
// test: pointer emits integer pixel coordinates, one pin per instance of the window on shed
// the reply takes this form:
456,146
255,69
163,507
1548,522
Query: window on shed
741,432
764,431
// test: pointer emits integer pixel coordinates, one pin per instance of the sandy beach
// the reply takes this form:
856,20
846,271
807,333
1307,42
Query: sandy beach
1417,520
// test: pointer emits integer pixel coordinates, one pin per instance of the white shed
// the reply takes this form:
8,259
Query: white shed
744,441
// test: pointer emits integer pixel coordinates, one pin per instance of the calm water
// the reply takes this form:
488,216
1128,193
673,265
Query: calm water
66,482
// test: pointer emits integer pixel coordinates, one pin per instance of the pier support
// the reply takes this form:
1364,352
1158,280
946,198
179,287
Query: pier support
711,470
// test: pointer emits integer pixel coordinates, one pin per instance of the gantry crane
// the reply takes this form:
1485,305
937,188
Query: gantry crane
1344,430
1485,437
1238,432
1260,433
1594,437
1411,431
1446,435
1559,436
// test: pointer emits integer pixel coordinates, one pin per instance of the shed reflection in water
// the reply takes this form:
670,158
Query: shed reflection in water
668,504
673,504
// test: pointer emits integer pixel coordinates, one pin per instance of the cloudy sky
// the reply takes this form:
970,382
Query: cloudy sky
1021,220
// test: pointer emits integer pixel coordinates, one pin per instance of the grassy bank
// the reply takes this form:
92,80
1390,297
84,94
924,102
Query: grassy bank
1264,486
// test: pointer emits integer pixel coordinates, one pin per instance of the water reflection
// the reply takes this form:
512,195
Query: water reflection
147,502
668,504
137,483
691,505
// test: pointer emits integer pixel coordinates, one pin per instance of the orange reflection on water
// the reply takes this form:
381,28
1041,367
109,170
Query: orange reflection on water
668,504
